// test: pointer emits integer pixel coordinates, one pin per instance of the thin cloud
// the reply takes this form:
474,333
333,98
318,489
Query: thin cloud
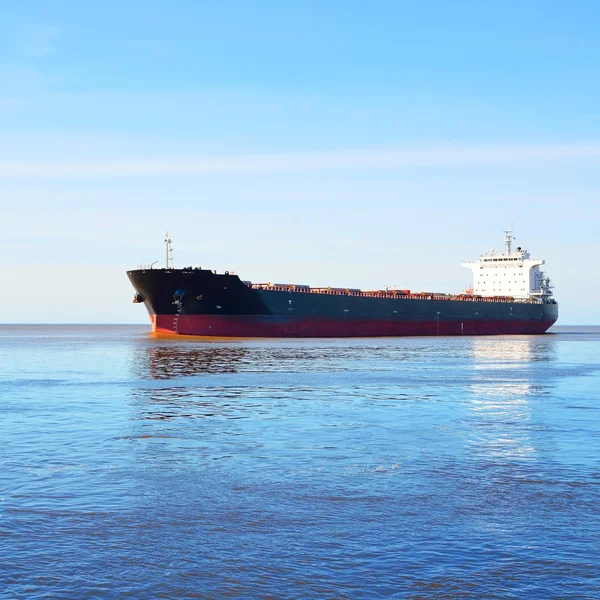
391,158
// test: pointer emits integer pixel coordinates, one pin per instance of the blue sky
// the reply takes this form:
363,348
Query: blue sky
344,143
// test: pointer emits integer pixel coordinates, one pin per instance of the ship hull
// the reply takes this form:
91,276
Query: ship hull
276,326
202,303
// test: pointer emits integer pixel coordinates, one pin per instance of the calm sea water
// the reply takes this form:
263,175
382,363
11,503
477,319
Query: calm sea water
138,467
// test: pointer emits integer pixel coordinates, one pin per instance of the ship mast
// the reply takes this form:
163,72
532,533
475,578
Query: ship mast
508,238
168,252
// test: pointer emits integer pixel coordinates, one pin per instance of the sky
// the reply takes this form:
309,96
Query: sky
357,144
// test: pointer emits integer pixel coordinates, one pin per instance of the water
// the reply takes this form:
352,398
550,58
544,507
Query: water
139,467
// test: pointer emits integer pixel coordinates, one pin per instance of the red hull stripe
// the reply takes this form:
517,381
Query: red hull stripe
267,326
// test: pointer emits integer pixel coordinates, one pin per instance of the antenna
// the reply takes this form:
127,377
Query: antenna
168,252
508,238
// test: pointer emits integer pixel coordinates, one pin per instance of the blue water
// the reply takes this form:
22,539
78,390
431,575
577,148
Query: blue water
138,467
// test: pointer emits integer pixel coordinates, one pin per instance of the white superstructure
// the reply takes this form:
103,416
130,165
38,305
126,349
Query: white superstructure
511,273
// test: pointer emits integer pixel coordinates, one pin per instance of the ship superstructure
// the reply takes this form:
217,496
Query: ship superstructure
510,295
510,274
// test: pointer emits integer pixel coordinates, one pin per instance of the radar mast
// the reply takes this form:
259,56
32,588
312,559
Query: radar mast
508,238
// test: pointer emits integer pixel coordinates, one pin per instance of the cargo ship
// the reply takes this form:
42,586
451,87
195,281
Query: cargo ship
510,295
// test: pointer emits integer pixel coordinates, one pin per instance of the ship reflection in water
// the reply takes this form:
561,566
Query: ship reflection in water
503,375
508,384
170,361
175,360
